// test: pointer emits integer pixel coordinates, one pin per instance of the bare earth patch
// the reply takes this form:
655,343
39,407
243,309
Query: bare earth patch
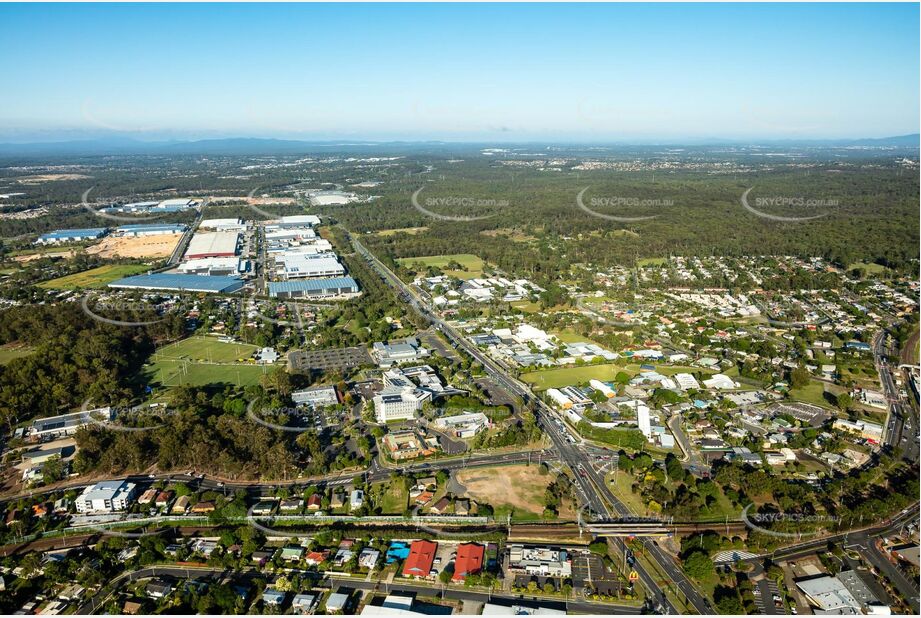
521,487
154,246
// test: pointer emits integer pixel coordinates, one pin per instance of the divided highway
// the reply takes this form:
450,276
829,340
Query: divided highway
597,497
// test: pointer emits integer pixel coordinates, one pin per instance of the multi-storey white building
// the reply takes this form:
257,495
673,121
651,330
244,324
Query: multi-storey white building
106,497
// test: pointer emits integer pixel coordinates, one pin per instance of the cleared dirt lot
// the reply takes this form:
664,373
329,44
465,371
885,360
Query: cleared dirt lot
154,246
50,254
521,487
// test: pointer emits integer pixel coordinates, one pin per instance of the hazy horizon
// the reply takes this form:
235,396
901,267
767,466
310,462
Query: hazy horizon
420,72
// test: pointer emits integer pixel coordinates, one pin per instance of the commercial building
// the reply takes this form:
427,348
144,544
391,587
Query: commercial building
215,266
223,225
75,235
463,425
177,202
331,198
829,595
559,399
294,221
308,266
720,381
212,244
318,396
287,234
541,561
874,399
300,244
106,497
396,403
389,354
686,381
150,229
338,287
866,430
408,444
602,388
180,283
643,420
420,559
68,424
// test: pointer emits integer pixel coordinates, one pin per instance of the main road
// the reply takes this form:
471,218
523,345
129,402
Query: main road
97,601
901,430
597,497
259,489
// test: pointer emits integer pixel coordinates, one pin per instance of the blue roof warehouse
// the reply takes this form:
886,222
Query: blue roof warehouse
76,235
180,283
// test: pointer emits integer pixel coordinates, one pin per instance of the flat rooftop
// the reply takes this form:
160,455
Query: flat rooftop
180,283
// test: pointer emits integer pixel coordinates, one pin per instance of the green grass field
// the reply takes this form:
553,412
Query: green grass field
206,349
869,267
94,277
198,361
566,376
13,350
472,263
812,393
526,306
174,373
394,500
568,336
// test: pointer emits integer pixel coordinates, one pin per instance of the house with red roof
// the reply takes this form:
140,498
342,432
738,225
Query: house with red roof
420,559
469,561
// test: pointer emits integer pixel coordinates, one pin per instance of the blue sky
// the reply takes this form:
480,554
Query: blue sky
460,72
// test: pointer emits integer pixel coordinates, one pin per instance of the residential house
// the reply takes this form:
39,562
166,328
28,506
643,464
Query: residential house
469,560
420,559
292,553
441,507
181,504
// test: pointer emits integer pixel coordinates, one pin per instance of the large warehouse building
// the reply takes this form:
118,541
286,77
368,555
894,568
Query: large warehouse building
177,202
214,266
212,244
307,265
223,225
339,287
78,235
150,229
293,221
180,283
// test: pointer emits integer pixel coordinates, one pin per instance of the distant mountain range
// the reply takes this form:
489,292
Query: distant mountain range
118,145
